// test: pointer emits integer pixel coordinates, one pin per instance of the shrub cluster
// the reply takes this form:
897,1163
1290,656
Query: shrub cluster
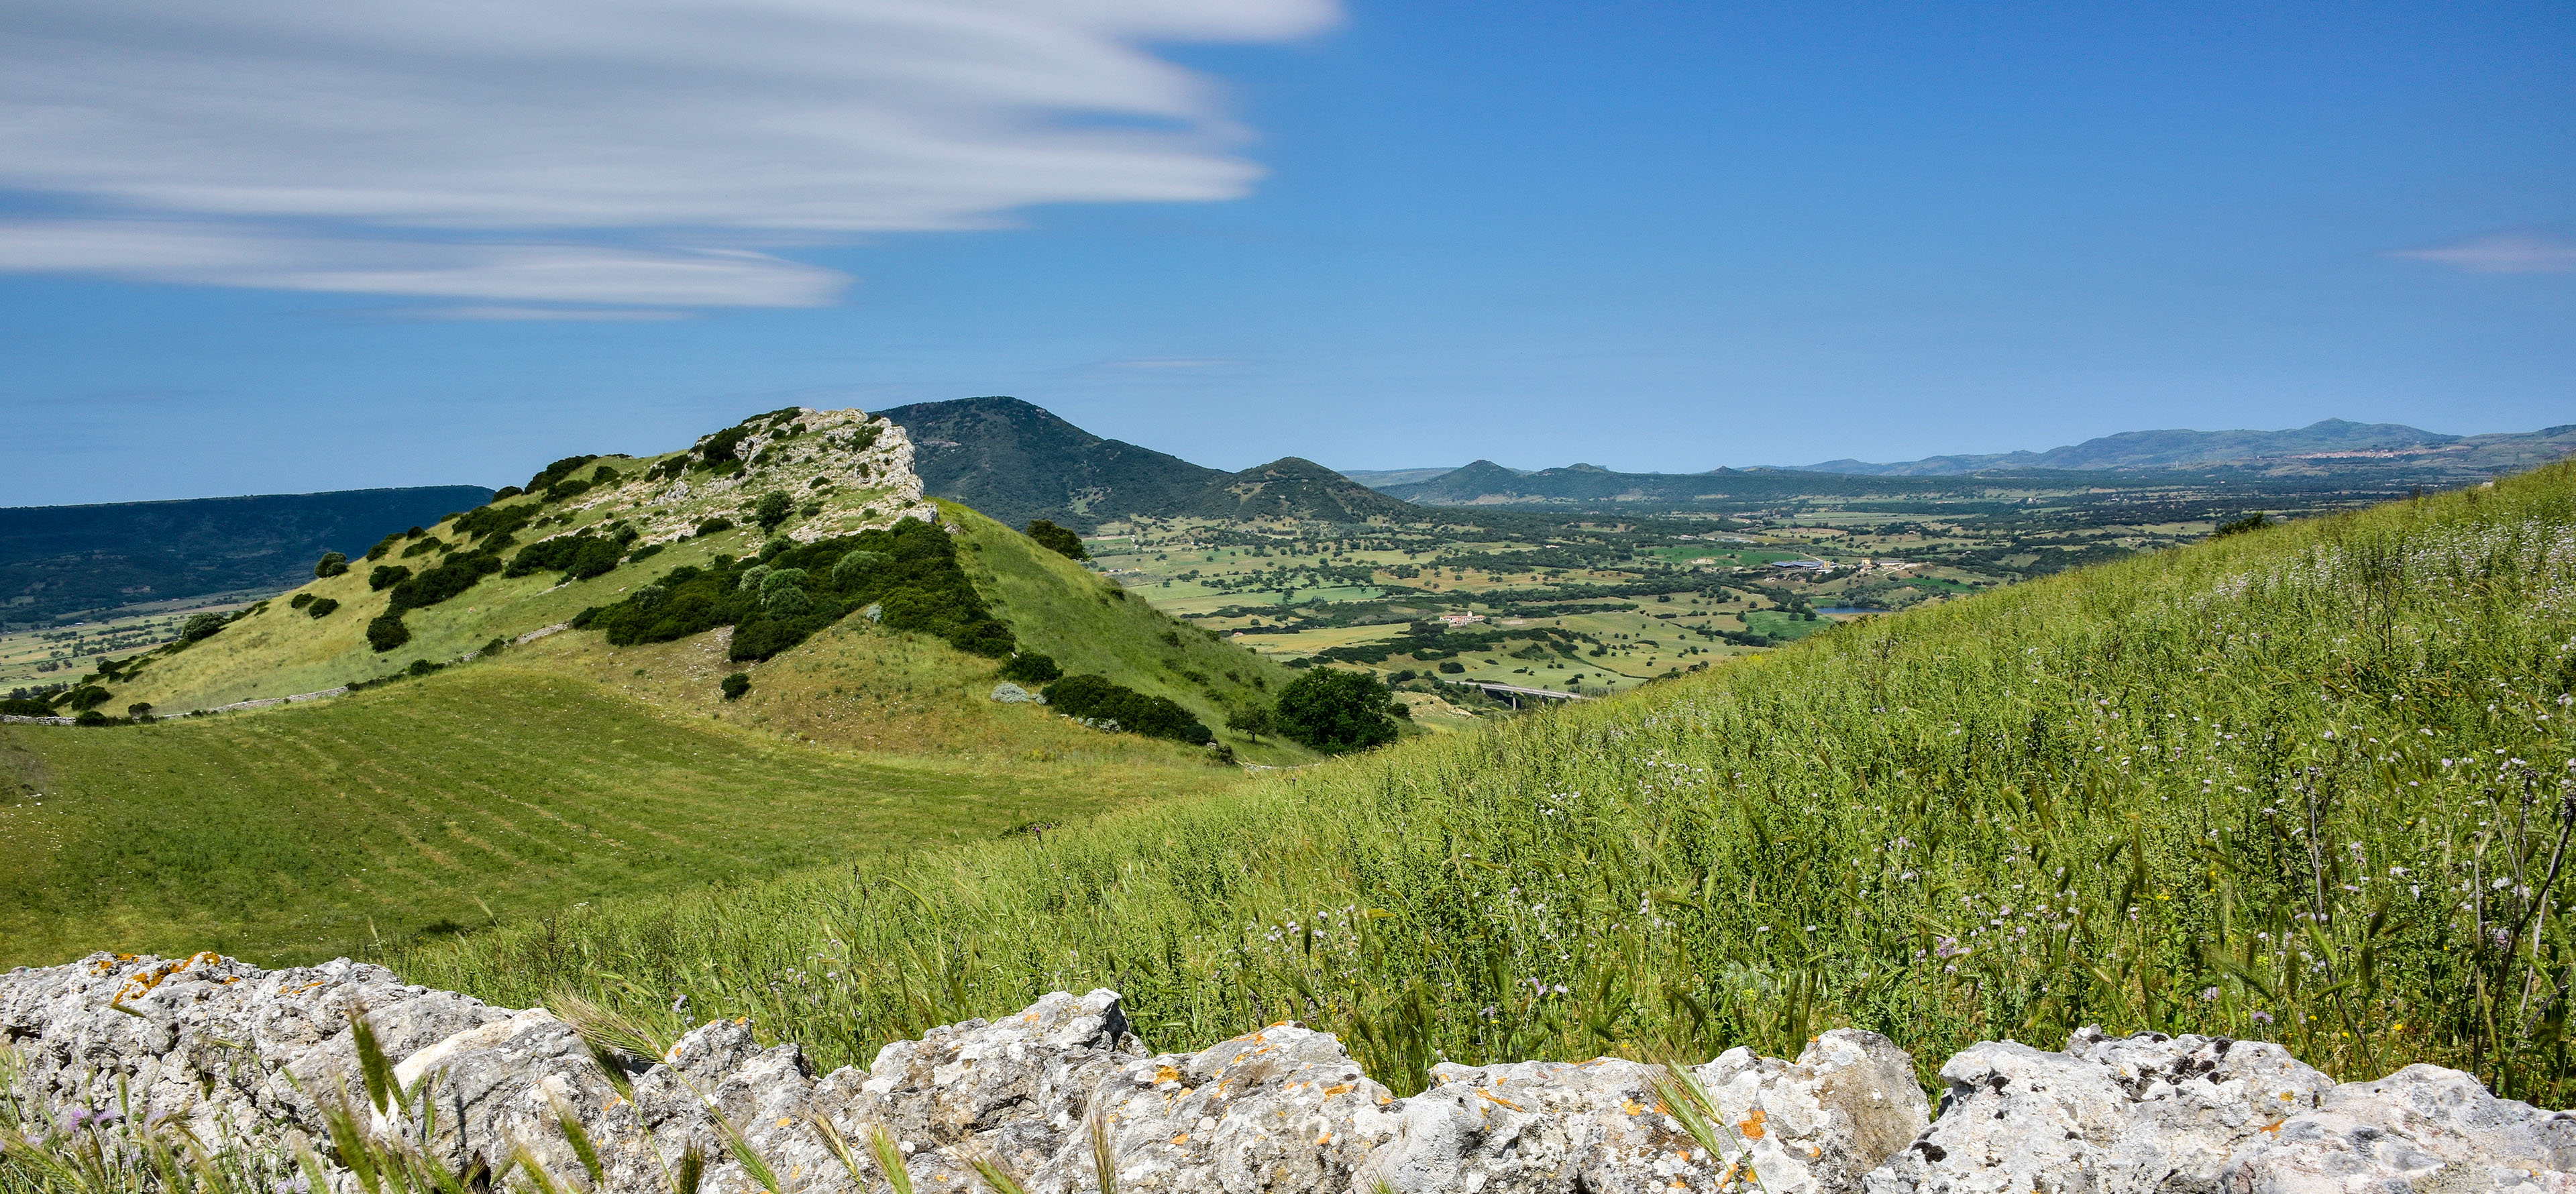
910,573
331,564
321,607
1097,698
579,556
458,574
1057,539
387,576
557,471
1030,667
387,632
497,525
201,626
1334,710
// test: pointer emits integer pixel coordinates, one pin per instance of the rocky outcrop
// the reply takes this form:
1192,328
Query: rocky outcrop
247,1055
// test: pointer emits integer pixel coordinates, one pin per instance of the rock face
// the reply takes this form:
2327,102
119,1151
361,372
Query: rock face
236,1053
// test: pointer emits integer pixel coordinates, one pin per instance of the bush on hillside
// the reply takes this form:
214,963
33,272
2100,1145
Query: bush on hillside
735,685
561,490
556,472
331,564
387,576
1333,710
300,601
719,447
493,523
506,492
24,707
201,626
772,510
445,581
321,608
1452,667
852,569
387,632
91,717
579,556
919,587
1057,539
1097,698
715,526
1252,720
1030,667
87,696
2251,522
384,546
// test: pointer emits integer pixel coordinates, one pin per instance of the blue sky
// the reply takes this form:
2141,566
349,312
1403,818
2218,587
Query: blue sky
293,247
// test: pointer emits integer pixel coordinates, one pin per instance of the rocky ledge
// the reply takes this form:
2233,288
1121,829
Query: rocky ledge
237,1053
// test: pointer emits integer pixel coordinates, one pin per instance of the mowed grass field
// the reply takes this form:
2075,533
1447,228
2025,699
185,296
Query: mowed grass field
431,806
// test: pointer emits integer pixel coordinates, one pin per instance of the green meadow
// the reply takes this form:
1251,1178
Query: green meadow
435,806
2309,784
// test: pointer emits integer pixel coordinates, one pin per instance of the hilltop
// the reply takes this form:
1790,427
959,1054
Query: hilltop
1015,461
58,562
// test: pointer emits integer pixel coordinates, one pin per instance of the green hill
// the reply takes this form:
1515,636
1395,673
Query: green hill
2305,784
61,561
1016,461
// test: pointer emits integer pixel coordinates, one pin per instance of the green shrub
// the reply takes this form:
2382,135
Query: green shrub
87,696
715,526
556,472
719,448
507,491
199,627
387,632
1452,667
493,523
2251,522
384,546
561,490
331,564
916,580
1333,710
387,576
579,556
605,475
422,667
445,581
139,710
735,685
646,552
1030,667
1252,720
1097,698
424,547
24,707
776,547
321,608
90,717
853,567
301,600
1057,539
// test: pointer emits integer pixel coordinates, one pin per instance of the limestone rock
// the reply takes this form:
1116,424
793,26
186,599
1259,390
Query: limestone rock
2423,1128
1012,694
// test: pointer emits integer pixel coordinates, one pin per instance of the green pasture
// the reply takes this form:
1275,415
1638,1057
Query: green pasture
354,825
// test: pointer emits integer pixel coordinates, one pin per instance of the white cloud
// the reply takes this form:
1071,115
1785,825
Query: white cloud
2502,253
603,151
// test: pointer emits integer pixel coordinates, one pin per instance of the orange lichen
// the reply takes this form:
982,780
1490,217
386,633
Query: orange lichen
1490,1097
1751,1126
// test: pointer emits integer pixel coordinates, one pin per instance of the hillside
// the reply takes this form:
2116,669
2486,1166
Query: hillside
1015,462
2328,443
59,561
1484,483
2289,785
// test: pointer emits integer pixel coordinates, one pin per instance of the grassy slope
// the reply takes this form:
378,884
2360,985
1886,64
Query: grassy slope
2088,799
1090,626
294,834
392,779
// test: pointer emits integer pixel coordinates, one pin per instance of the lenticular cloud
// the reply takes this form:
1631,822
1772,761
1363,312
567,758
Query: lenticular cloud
587,150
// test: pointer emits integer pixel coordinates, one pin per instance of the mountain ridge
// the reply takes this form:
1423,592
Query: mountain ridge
2323,440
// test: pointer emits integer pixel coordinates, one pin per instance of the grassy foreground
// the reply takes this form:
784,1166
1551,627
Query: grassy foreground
2309,784
296,834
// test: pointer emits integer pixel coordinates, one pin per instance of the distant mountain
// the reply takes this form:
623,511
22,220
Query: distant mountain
1015,461
1293,488
2329,445
1382,478
62,560
1486,483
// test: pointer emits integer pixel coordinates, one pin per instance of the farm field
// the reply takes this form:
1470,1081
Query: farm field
31,659
432,806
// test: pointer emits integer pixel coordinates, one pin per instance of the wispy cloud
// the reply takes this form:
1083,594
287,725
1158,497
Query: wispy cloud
2502,253
588,151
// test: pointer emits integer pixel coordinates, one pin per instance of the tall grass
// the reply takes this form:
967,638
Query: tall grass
2310,784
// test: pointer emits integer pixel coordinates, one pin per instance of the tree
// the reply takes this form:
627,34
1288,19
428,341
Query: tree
387,632
1252,721
1057,539
2251,522
332,563
1333,710
772,510
201,626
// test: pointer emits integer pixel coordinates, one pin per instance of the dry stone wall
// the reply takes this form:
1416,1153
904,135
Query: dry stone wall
235,1052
